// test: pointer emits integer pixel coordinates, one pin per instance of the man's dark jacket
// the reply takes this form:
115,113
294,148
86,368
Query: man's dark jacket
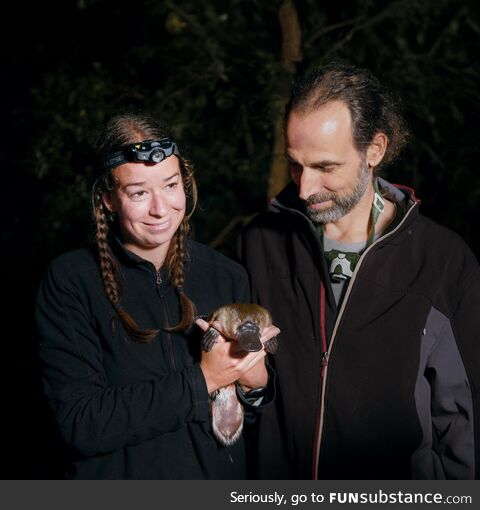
399,397
128,410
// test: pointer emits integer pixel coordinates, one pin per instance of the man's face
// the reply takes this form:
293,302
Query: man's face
330,174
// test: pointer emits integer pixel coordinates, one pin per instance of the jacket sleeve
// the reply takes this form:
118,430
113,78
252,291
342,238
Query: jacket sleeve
93,416
451,409
252,409
447,390
466,329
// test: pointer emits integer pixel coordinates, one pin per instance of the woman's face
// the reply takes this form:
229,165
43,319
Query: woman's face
150,202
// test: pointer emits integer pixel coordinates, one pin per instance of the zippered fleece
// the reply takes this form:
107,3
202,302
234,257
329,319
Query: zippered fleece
399,397
127,410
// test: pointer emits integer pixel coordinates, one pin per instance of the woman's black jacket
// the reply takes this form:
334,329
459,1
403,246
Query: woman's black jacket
128,410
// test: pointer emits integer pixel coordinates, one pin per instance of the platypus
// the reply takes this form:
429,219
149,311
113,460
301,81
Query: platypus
243,323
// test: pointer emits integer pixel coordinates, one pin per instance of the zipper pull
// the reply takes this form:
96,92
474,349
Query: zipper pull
324,361
158,279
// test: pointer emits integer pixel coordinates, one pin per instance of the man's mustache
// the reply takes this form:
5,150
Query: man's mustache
319,197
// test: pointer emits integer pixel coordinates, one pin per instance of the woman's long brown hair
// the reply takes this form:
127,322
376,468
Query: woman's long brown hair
120,131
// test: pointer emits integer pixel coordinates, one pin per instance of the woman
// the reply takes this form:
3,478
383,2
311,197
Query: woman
121,359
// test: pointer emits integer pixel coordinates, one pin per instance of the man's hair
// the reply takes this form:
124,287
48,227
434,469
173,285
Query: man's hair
372,108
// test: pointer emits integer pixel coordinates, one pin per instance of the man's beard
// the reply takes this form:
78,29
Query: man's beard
341,204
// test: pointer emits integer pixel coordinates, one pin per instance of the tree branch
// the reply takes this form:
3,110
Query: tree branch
330,28
369,22
291,35
444,32
211,45
291,53
237,220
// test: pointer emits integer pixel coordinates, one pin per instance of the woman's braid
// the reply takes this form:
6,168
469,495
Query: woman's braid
109,271
176,259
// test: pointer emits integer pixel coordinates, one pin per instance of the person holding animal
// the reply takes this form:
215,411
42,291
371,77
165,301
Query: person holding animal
122,364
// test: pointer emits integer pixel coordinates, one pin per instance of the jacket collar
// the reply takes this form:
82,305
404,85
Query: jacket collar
288,199
122,253
130,259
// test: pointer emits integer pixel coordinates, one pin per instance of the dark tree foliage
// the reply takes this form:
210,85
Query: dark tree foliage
213,71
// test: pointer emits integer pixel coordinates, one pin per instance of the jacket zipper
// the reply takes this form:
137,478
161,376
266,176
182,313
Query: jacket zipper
326,353
158,284
324,361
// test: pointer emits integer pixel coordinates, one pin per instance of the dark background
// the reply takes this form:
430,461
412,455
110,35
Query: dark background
213,70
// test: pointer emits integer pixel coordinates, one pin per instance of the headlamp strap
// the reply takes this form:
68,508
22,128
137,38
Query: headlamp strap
342,264
378,206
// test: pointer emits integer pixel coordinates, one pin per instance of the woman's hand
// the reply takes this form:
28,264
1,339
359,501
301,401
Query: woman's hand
227,363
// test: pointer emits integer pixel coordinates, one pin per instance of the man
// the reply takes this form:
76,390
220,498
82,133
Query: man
379,358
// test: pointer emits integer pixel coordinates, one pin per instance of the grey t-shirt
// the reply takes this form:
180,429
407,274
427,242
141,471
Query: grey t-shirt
339,287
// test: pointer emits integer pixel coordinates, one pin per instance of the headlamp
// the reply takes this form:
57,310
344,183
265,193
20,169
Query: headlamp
148,151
